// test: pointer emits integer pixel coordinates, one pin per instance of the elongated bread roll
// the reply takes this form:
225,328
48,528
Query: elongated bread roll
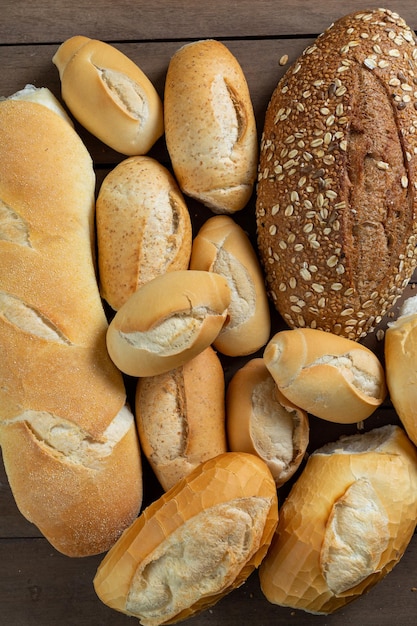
109,95
168,321
222,246
181,417
143,227
210,126
331,377
69,443
260,420
195,544
346,522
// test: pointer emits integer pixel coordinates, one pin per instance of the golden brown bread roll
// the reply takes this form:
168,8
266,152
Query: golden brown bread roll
168,321
109,95
195,544
346,522
260,420
336,195
69,443
210,126
143,227
181,417
222,246
331,377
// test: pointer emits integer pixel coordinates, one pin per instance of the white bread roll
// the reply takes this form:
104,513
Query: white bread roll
168,321
331,377
222,246
401,365
143,227
260,420
181,417
210,126
69,444
198,542
109,95
346,522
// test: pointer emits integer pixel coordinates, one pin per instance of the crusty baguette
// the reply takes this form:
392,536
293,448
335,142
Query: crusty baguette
198,542
109,95
69,443
210,126
346,522
336,197
143,227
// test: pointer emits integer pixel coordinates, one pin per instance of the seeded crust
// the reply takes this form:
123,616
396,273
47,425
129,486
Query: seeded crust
336,202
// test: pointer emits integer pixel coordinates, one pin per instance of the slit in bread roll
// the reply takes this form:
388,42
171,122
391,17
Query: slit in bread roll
222,246
331,377
210,126
168,321
345,523
41,95
109,95
260,420
181,417
143,227
195,544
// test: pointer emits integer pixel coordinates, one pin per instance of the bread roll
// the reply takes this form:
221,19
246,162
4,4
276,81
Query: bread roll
69,443
181,417
346,522
143,227
260,420
210,126
222,246
401,365
336,196
195,544
109,95
42,95
168,321
331,377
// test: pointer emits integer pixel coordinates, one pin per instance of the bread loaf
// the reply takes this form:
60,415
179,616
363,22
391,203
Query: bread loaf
260,420
195,544
109,95
181,417
69,443
143,227
331,377
346,522
336,197
210,126
168,321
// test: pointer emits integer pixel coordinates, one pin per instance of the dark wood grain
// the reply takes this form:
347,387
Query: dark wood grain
38,586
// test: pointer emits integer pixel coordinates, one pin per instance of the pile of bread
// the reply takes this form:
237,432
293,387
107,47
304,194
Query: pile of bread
101,288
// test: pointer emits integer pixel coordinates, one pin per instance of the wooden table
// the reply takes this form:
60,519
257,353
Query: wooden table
38,586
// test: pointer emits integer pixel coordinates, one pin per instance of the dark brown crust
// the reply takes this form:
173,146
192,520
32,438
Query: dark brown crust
336,203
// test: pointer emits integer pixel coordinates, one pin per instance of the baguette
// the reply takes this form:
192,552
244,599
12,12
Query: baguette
198,542
143,227
210,126
346,522
109,95
336,199
69,443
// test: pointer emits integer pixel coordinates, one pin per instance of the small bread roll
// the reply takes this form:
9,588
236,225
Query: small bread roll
222,246
168,321
331,377
260,420
401,365
109,95
198,542
210,126
143,227
346,522
181,417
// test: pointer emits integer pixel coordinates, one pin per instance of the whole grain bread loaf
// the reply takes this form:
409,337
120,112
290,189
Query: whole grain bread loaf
336,195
